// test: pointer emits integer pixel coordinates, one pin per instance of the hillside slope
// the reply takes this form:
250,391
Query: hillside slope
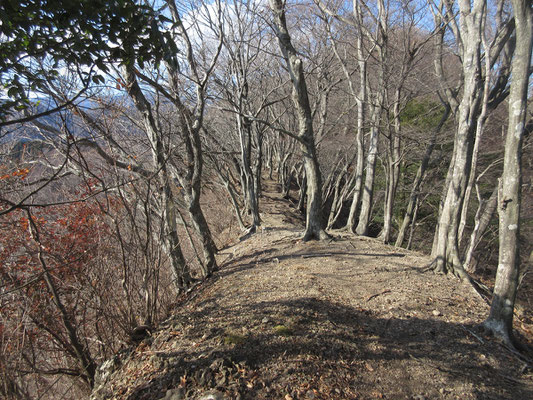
348,318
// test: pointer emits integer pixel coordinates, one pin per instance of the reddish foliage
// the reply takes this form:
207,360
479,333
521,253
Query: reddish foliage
71,237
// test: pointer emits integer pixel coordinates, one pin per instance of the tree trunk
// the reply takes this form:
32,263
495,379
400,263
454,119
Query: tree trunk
180,270
480,126
345,192
393,172
202,228
482,220
244,126
191,125
500,320
380,42
77,348
447,247
233,198
303,193
361,100
314,228
368,190
337,200
258,166
359,166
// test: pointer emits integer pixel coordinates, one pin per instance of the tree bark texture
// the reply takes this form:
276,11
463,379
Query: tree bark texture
447,247
368,189
180,271
314,228
482,220
500,320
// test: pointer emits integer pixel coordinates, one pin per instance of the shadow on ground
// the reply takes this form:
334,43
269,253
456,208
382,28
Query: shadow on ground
323,350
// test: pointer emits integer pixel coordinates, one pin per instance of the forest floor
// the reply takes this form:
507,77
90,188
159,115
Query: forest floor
348,318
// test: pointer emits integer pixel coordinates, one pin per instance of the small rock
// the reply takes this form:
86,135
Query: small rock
213,395
265,320
437,313
174,394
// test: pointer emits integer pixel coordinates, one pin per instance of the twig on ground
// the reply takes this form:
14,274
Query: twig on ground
316,255
377,294
473,334
481,290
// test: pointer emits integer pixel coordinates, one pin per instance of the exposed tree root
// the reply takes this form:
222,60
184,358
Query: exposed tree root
314,235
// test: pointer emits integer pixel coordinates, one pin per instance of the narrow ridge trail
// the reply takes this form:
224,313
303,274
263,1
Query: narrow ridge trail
348,318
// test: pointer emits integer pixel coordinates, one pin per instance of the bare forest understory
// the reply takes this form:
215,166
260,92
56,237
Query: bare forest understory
348,318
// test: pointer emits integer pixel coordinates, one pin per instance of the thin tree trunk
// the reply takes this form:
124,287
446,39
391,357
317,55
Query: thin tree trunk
191,240
303,194
244,127
233,198
202,228
361,100
482,220
475,152
393,171
380,42
441,203
337,201
88,366
287,178
258,166
413,224
180,270
368,190
346,190
420,175
191,124
359,167
328,185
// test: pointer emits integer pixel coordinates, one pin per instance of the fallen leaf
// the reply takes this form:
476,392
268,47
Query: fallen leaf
369,367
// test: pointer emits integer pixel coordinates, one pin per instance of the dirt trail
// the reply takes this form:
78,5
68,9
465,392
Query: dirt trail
348,318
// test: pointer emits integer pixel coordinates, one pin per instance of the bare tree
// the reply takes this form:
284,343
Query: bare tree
360,96
379,40
314,219
500,320
241,79
468,35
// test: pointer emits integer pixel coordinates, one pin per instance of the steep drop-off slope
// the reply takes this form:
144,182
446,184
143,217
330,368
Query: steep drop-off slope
348,318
